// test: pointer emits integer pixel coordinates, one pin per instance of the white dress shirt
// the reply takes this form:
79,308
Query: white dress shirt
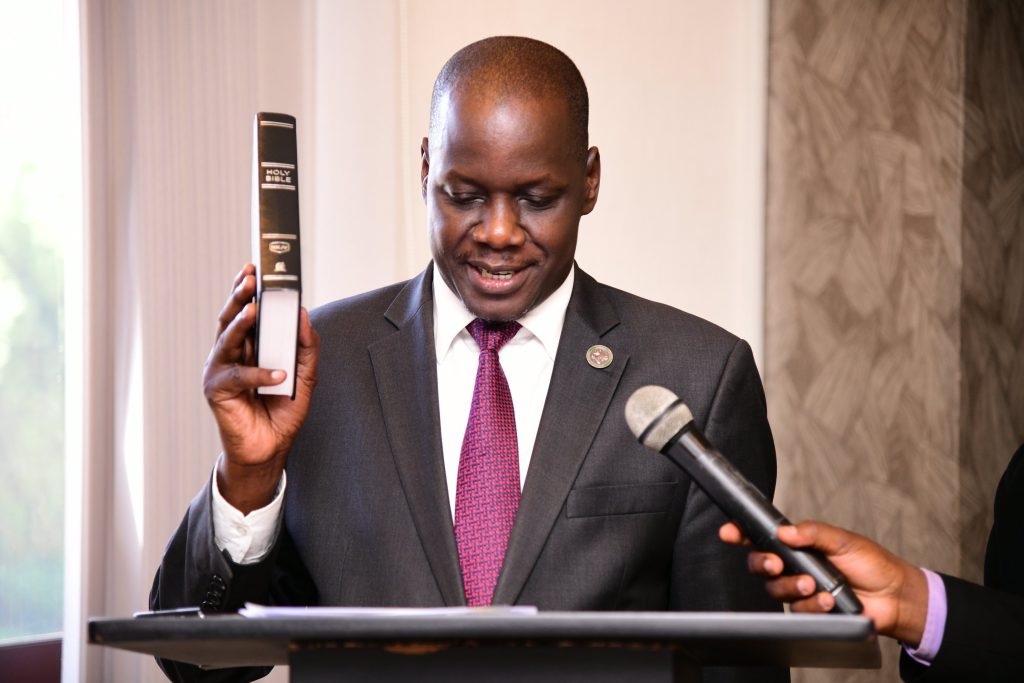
527,360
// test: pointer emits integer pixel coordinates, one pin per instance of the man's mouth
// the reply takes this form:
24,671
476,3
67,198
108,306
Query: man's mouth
495,275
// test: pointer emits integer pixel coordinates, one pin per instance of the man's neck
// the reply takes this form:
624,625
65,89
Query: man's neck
543,321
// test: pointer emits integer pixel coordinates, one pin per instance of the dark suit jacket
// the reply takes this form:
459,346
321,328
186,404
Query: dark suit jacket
984,636
603,523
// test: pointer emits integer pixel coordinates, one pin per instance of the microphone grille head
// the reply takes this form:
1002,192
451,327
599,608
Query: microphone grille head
653,404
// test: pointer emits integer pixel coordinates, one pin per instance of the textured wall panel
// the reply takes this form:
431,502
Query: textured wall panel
863,308
895,270
864,262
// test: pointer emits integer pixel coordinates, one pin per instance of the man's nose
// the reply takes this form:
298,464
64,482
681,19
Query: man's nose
500,228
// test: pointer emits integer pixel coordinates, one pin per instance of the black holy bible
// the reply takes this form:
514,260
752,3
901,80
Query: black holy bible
275,246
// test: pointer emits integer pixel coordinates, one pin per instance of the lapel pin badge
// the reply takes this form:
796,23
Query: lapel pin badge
599,356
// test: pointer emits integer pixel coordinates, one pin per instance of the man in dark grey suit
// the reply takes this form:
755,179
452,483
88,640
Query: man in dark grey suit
364,514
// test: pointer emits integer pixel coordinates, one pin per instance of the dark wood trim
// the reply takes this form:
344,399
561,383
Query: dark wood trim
31,660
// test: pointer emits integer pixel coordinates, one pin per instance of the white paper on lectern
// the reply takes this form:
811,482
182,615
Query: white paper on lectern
254,611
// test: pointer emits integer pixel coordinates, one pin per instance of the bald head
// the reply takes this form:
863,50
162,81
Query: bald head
509,67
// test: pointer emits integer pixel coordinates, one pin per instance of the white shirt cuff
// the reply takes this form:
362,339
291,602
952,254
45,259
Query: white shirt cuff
247,538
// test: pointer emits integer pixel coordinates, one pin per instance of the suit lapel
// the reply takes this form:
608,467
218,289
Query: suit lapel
405,369
578,396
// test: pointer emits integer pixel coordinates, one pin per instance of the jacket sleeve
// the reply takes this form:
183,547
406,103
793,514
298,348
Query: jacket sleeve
982,639
194,572
1004,558
985,625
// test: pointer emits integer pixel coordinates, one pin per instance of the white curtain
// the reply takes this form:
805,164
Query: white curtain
169,91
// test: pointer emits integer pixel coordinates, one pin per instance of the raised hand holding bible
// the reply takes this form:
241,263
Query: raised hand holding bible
255,431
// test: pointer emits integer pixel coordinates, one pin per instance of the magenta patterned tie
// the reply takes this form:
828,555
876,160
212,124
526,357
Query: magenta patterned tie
487,493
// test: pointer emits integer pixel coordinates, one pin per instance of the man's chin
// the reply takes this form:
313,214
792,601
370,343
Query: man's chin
502,312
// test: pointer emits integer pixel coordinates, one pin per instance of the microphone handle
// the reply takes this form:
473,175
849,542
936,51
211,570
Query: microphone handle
755,515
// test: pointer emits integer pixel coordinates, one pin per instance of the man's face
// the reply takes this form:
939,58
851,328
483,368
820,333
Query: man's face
505,189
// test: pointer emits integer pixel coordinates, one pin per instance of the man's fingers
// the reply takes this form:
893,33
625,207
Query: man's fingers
249,351
796,536
307,335
764,564
815,604
309,349
241,293
230,345
731,534
826,538
235,379
247,269
791,588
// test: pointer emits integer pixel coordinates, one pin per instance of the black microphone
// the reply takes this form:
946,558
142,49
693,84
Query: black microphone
661,421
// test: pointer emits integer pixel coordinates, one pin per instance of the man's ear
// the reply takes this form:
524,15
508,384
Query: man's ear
424,166
592,180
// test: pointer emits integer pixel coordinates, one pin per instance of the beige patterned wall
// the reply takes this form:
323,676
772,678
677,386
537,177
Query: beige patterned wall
895,270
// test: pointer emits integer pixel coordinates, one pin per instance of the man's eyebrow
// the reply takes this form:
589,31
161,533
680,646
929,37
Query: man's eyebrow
545,179
454,176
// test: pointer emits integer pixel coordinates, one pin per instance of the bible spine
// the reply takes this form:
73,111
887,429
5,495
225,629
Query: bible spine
275,246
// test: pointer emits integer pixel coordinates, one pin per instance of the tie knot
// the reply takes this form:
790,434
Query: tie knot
492,336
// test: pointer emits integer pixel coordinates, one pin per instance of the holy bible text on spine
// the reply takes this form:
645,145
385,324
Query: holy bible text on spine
275,246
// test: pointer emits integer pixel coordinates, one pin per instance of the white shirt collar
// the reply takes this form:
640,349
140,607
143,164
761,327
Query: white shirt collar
544,321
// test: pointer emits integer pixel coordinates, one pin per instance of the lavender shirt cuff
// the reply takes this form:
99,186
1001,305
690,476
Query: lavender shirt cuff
934,624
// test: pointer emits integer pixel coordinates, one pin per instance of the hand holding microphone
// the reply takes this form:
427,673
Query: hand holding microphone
661,421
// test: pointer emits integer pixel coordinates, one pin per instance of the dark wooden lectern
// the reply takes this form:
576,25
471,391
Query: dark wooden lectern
549,646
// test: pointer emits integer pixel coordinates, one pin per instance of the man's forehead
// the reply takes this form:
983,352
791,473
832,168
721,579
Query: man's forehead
479,113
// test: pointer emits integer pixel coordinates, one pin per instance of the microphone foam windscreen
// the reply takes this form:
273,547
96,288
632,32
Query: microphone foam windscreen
647,405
